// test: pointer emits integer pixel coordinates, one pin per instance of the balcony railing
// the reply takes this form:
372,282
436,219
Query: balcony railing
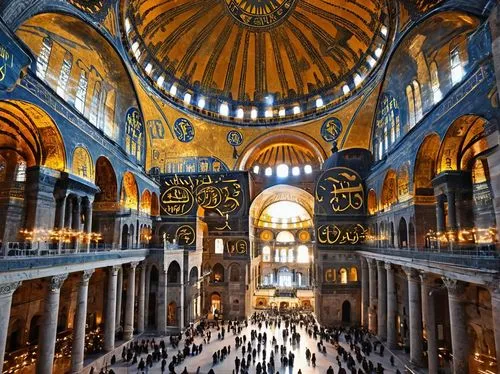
473,257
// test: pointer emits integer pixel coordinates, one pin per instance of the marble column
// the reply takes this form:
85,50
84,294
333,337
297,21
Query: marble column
87,227
109,323
6,292
429,319
141,299
364,292
128,326
78,349
146,296
440,223
372,310
183,300
415,317
458,325
452,211
495,311
392,340
119,293
68,212
382,301
48,333
161,303
76,220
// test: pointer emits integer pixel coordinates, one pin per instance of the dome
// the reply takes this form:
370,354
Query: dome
249,61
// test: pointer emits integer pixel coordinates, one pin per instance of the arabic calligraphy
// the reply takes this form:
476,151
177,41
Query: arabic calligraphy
185,235
237,247
331,129
184,130
340,191
332,234
234,138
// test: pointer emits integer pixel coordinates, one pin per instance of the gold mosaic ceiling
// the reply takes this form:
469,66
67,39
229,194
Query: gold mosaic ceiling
264,60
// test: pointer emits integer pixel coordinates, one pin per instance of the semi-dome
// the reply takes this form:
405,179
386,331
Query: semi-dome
251,61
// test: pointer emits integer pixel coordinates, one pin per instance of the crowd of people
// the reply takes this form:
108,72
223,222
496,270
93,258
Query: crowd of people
258,352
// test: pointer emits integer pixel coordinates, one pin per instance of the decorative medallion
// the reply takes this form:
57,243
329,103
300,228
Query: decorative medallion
304,236
266,235
331,129
185,235
260,14
184,130
234,138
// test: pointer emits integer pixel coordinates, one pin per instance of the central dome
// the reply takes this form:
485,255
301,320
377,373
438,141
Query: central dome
248,61
260,14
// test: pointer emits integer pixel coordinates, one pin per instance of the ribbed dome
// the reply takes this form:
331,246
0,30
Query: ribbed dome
269,60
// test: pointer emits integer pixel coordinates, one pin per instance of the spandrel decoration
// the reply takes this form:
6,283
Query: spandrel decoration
339,234
339,191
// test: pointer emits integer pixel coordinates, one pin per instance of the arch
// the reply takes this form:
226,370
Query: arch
130,192
93,78
330,275
155,205
14,335
343,276
346,312
82,164
285,237
425,165
174,273
215,303
154,277
146,202
464,139
403,179
193,275
411,239
389,190
29,131
234,273
372,202
105,179
125,237
306,144
403,233
391,238
34,330
217,275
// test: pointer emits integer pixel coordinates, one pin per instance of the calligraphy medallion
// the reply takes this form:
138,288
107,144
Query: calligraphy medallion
234,138
184,130
331,129
260,14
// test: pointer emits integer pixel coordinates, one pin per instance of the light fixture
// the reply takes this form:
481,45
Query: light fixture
308,169
224,109
201,102
173,89
253,113
296,109
187,98
295,171
282,171
240,113
268,172
319,102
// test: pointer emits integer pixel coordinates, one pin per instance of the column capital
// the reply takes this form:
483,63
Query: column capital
494,288
114,270
388,266
86,276
7,289
427,278
380,264
134,264
411,273
364,262
56,281
455,287
371,263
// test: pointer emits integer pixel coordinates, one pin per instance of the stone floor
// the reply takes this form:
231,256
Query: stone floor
204,360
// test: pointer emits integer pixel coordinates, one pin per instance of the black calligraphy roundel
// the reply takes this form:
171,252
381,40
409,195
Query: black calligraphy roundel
260,14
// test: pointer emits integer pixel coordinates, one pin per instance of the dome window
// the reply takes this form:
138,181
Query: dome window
319,102
253,113
295,171
378,52
282,112
160,81
282,171
346,89
268,113
308,169
224,110
256,169
201,102
296,109
240,113
269,172
149,68
173,90
187,98
357,79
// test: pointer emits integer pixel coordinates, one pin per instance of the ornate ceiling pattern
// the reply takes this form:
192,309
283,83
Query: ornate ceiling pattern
257,60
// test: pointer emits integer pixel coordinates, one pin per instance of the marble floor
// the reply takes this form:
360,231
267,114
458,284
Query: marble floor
204,360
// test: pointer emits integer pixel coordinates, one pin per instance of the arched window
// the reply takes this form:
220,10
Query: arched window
457,70
283,255
219,246
411,106
415,111
21,171
218,273
388,128
285,237
418,101
353,275
302,254
266,254
42,61
234,275
291,255
81,91
343,276
96,107
64,74
330,275
435,85
277,256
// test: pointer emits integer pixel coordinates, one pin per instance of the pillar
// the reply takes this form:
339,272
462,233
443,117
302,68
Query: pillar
372,310
382,301
452,211
495,311
161,303
458,325
128,326
68,215
392,341
119,293
48,333
183,299
6,292
76,220
415,317
146,296
78,349
429,321
109,323
87,226
364,292
141,299
440,214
